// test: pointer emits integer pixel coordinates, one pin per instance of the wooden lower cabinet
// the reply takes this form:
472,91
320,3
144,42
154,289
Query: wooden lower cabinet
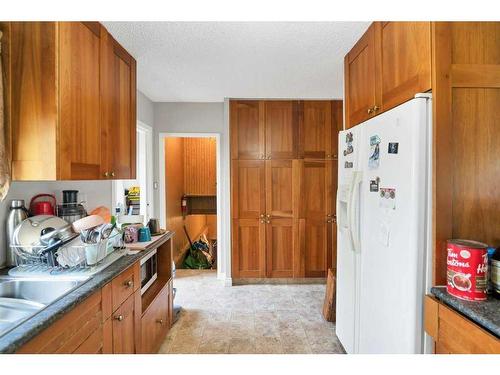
98,325
80,330
249,248
281,247
156,321
127,325
454,333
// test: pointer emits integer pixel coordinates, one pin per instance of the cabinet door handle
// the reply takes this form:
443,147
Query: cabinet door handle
119,318
262,215
376,108
369,111
268,157
160,321
112,174
128,284
262,156
106,174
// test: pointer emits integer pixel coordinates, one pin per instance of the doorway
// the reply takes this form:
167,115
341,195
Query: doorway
189,192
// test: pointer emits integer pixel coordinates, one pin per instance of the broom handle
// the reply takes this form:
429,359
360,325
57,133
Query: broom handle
187,235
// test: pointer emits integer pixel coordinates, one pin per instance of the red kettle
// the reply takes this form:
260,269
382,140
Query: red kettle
43,207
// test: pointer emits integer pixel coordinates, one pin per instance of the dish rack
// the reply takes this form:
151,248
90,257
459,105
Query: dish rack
83,255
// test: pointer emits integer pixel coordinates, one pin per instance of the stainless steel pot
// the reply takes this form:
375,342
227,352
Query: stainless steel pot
36,232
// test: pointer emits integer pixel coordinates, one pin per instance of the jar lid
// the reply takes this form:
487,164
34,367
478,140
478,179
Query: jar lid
468,243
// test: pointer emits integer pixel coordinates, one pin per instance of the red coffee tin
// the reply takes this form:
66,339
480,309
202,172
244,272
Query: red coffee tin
467,272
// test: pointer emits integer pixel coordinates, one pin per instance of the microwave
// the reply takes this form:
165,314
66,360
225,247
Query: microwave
149,270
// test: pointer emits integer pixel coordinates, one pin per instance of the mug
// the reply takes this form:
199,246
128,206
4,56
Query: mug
144,234
154,226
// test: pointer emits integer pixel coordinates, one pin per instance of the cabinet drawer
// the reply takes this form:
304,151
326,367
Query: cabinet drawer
124,285
155,321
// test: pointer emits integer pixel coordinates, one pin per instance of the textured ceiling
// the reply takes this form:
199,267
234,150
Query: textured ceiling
208,61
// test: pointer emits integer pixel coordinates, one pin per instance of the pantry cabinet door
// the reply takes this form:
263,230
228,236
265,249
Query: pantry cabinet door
248,189
248,248
282,129
79,138
315,129
316,213
282,188
118,100
360,77
281,246
406,61
247,129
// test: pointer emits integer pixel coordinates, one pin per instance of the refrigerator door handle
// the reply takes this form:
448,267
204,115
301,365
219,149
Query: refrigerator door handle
354,211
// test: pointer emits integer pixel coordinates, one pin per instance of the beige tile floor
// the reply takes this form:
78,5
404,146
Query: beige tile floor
247,319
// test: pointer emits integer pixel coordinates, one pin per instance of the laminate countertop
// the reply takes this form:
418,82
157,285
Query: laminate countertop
20,335
484,313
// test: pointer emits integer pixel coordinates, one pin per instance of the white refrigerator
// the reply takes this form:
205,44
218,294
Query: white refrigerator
383,238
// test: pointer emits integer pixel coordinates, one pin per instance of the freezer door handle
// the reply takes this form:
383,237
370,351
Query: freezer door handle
354,210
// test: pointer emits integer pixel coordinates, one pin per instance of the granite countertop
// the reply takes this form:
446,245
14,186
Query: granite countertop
14,339
484,313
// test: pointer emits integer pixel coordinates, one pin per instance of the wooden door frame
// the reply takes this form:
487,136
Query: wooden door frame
221,272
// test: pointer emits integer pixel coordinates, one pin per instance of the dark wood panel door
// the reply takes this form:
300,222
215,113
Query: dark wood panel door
248,248
118,110
125,326
281,129
316,217
406,61
361,78
281,246
248,189
155,322
79,101
282,188
247,129
315,129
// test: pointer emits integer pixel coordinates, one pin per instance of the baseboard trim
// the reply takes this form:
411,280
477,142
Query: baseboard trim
280,281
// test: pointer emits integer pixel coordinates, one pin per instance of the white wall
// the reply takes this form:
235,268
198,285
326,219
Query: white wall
185,117
145,109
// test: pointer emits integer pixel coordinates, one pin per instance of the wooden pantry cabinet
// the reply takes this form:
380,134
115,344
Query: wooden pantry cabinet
72,107
282,178
388,65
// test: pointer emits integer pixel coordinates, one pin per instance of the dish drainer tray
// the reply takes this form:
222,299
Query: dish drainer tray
72,256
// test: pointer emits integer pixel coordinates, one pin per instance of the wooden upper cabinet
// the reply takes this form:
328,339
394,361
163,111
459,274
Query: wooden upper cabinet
247,129
118,113
360,80
33,109
406,61
315,129
281,128
79,102
386,67
76,92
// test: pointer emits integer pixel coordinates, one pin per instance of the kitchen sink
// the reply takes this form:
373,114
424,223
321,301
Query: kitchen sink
21,298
